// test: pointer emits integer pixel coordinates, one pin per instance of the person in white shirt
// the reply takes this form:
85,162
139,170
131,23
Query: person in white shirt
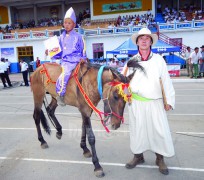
202,61
187,58
148,123
24,70
112,63
5,75
2,72
195,56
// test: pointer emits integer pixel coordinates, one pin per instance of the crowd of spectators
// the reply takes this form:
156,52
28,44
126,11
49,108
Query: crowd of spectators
134,20
44,22
186,13
171,15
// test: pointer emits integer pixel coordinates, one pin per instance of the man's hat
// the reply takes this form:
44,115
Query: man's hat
70,14
202,46
144,31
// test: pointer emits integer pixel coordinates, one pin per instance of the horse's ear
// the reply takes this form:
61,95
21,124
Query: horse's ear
115,75
129,77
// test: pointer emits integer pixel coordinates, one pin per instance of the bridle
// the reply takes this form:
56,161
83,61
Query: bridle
122,87
110,112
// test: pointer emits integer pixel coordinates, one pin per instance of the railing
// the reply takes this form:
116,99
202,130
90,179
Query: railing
103,31
181,25
172,41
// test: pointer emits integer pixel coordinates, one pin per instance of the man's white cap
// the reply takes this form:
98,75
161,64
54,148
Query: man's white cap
70,14
144,31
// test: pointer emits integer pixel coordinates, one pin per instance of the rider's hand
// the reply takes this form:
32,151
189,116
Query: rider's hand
82,61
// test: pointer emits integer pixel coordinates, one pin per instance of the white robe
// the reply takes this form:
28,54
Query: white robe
148,124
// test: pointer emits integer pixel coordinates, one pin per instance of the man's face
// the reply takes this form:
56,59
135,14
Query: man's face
144,42
69,24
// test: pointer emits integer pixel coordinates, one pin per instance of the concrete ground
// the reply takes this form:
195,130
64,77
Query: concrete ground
21,157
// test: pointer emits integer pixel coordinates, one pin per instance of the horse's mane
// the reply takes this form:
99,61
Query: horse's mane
113,70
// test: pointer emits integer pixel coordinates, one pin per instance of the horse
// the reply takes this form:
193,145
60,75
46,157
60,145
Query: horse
82,92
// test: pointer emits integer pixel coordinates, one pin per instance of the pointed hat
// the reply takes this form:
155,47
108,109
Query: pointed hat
70,14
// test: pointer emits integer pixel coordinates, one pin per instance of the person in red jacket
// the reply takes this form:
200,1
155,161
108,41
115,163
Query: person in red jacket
37,62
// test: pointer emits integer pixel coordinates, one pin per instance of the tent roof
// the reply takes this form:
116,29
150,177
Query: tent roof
128,47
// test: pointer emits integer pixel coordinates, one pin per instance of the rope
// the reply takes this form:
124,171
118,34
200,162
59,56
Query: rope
91,105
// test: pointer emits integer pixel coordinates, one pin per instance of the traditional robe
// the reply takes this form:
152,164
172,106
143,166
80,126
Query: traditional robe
73,49
149,129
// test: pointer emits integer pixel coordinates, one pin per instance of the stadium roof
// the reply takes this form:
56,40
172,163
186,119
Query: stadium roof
20,4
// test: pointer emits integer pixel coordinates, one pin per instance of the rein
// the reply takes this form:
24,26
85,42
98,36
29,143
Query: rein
99,79
44,70
91,105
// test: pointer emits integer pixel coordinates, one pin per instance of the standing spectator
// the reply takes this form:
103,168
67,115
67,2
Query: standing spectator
159,8
8,65
24,70
187,58
2,72
7,72
195,56
115,58
37,62
31,64
202,61
112,62
122,62
149,129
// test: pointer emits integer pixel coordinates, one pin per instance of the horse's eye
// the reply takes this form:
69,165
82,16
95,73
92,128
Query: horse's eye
115,95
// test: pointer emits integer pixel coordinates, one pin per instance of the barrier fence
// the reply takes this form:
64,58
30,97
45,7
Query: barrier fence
104,31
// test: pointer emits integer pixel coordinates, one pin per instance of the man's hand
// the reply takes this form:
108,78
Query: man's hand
167,107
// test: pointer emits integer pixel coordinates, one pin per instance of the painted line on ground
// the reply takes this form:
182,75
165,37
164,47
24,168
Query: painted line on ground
98,130
191,133
77,113
102,163
189,89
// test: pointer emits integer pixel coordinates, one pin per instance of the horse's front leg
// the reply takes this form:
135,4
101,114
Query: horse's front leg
86,152
91,138
51,113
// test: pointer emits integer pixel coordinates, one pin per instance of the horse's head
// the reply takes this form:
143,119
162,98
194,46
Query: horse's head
116,93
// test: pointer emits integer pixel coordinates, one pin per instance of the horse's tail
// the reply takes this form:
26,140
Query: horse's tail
44,122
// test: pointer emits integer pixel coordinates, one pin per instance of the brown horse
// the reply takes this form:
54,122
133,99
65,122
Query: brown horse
43,80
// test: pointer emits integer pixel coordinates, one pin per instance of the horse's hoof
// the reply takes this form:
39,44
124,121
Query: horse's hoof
44,146
87,154
58,135
99,173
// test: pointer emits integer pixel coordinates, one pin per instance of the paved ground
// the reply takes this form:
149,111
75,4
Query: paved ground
21,157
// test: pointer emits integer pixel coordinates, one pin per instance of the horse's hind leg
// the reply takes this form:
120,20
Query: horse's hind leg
86,152
37,116
91,138
51,113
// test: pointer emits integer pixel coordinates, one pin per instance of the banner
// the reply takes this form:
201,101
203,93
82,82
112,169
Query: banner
123,6
174,70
